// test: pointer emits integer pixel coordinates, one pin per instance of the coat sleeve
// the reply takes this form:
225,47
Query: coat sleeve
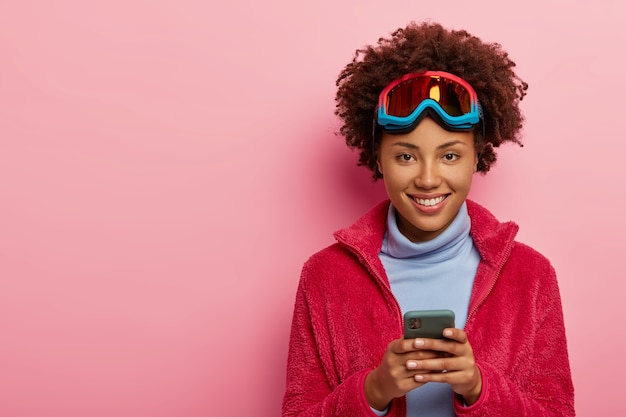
313,388
543,385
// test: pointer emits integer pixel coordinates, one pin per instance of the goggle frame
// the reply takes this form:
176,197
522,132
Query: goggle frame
427,106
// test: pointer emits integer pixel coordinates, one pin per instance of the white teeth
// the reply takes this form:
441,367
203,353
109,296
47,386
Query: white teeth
430,201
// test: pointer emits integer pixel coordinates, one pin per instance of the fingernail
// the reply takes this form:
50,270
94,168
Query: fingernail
447,332
419,377
411,364
418,342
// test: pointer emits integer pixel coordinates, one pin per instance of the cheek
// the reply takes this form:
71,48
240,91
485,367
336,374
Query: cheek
396,177
463,180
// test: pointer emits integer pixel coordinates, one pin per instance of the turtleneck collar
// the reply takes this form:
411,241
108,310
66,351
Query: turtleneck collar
441,248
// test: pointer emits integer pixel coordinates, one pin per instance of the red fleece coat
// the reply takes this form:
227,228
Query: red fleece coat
345,316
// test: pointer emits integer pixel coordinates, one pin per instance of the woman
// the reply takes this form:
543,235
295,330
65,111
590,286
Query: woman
439,102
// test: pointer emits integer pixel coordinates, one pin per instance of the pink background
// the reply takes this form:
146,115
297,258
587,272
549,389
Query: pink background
167,166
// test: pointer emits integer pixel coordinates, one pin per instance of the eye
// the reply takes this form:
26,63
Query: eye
450,157
405,157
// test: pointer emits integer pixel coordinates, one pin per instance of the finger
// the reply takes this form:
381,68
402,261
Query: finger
432,344
455,334
444,347
459,380
435,365
425,354
449,377
456,347
416,365
400,346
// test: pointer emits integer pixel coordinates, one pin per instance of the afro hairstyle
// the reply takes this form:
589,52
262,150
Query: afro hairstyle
431,47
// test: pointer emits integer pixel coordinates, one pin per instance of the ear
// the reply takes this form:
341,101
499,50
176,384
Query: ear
476,156
379,165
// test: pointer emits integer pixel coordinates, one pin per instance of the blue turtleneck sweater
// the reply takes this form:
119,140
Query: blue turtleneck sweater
436,274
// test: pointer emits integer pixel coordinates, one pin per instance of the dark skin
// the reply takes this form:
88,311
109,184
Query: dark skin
410,363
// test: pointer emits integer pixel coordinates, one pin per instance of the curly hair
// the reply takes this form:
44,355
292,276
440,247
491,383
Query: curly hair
430,46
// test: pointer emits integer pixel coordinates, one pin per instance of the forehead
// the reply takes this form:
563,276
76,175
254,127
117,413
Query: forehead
428,135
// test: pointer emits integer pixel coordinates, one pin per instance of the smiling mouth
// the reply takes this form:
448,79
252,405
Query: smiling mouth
428,202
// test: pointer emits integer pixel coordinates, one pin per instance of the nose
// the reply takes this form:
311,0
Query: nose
427,176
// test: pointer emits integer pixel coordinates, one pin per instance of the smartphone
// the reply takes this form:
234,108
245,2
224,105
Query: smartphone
427,323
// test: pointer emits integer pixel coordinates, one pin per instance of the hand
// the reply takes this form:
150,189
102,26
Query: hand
394,377
456,366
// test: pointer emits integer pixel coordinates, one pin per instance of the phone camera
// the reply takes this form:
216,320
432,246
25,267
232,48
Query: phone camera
415,323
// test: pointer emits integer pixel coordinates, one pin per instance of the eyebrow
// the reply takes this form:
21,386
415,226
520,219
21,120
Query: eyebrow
442,146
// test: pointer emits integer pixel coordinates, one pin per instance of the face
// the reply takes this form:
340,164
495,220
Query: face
427,174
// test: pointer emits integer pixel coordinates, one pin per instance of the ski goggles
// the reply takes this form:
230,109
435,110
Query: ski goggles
444,96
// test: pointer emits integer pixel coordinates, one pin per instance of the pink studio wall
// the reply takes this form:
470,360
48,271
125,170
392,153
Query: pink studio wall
167,166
